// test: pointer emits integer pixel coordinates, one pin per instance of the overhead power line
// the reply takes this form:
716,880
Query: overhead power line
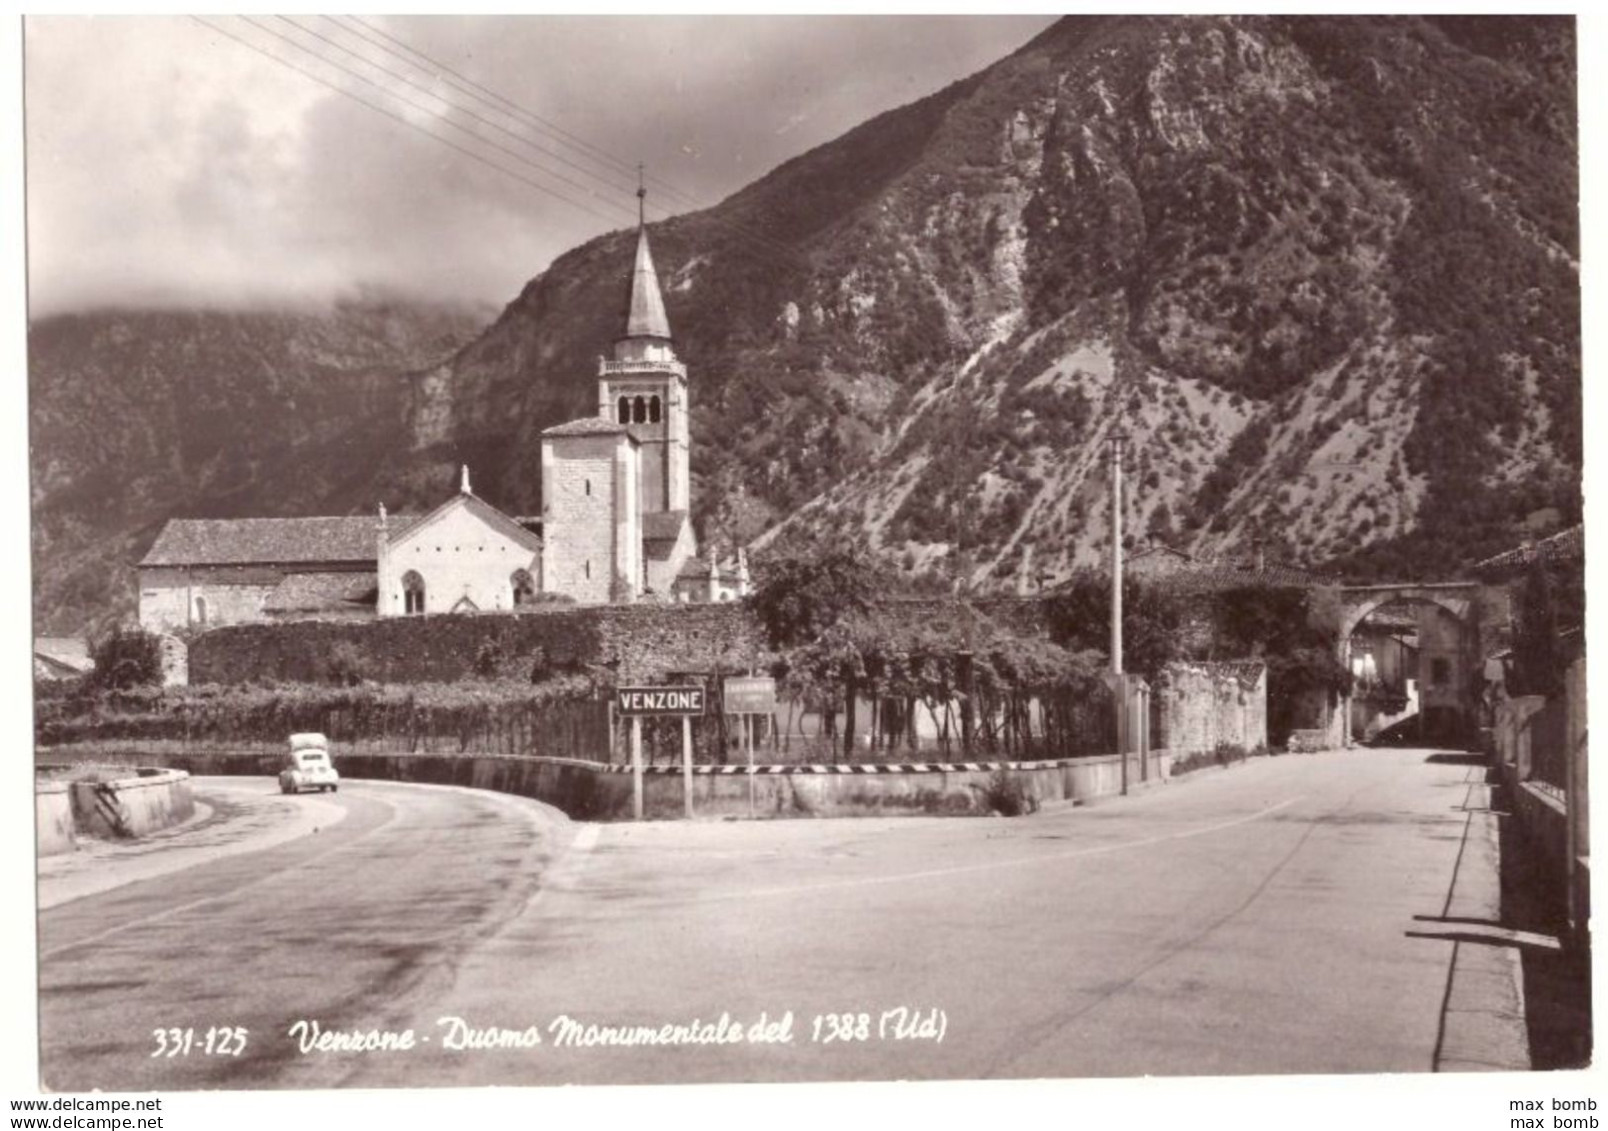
536,121
467,152
514,108
752,243
615,186
377,36
483,140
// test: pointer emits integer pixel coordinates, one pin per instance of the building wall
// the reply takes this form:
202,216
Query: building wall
588,508
232,595
1441,638
661,575
1203,706
458,554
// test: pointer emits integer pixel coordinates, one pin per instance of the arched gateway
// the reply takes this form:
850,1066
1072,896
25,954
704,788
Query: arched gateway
1412,648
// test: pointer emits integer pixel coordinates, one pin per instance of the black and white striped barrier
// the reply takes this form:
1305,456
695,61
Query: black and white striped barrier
871,768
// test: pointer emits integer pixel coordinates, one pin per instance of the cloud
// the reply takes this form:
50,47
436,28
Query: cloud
169,164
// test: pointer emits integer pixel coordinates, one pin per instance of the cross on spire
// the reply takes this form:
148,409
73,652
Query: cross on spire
642,197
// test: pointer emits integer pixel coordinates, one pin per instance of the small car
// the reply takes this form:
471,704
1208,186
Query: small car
308,768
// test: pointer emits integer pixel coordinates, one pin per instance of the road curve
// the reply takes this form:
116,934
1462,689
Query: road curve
352,917
1288,915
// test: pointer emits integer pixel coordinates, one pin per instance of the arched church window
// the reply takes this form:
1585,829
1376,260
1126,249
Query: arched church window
639,411
653,411
200,610
524,588
625,410
412,592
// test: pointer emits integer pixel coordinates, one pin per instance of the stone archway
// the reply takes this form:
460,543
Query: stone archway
1448,660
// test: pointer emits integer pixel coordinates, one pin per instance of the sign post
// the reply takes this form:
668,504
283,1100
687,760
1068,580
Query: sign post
636,767
747,696
638,703
686,763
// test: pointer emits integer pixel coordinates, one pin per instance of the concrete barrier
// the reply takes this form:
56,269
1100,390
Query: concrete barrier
133,806
600,792
53,818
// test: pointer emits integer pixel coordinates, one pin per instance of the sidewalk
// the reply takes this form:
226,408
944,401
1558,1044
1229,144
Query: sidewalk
1483,1018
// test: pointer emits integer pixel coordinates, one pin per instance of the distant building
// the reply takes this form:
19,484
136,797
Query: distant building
615,523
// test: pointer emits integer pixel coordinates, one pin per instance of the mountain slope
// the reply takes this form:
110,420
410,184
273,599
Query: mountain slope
1323,271
139,416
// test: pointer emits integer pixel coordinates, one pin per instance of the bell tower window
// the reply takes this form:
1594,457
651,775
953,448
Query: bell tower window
639,411
653,411
625,410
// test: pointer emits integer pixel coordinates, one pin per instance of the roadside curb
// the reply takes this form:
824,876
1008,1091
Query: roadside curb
1483,1020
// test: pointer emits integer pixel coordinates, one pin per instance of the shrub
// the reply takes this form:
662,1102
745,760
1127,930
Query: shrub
1007,794
490,657
344,666
127,657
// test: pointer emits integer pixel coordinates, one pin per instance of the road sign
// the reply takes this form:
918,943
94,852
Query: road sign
750,695
644,702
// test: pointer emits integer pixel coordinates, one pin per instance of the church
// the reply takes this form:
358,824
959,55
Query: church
615,523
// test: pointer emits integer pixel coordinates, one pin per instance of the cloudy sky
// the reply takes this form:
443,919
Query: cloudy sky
173,162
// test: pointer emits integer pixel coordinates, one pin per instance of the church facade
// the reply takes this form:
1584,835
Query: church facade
615,523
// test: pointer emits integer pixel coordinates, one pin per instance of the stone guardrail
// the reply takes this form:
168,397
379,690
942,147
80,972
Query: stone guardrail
125,807
597,791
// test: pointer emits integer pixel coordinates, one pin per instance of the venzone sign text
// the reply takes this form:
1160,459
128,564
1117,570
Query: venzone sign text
659,700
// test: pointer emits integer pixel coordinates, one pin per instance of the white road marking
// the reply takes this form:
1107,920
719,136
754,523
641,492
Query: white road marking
994,865
567,872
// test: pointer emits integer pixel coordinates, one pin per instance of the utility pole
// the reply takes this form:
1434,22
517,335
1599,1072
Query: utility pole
1119,683
1116,552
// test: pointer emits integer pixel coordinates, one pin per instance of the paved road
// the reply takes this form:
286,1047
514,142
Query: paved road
1283,916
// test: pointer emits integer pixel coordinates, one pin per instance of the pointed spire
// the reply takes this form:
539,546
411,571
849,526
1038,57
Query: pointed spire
646,317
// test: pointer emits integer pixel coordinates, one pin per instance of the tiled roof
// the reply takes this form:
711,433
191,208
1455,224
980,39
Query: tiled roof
1566,545
66,651
663,526
240,541
697,569
511,528
323,592
588,426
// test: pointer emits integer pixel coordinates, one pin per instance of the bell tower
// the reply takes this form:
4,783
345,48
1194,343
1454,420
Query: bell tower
644,385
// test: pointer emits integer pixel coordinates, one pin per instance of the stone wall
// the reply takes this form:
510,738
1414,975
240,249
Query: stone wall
231,595
593,791
53,818
1201,706
590,528
624,643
